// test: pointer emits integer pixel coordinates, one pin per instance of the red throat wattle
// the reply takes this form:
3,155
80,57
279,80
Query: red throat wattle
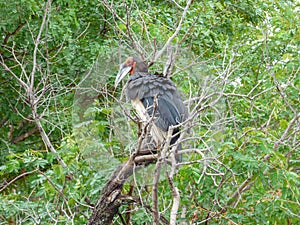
133,68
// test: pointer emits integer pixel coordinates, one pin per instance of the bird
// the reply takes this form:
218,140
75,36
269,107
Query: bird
155,98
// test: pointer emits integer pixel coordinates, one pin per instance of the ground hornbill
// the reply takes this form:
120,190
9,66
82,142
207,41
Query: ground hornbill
145,89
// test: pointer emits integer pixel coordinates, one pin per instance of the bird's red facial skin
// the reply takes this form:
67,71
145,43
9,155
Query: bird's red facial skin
133,68
130,62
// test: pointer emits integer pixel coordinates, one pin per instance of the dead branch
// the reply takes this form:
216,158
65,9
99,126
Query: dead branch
178,28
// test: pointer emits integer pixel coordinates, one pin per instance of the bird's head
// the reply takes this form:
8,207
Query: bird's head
132,65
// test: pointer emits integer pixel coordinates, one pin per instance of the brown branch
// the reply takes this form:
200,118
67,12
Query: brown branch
24,136
8,35
17,178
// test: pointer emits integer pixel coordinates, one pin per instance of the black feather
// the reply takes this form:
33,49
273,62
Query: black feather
169,109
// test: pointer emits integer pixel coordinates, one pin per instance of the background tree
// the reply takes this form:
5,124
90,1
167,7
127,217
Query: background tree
236,62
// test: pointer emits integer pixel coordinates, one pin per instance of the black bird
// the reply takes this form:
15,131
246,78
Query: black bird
145,89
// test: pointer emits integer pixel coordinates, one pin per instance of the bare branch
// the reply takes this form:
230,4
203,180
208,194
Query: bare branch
17,178
287,130
167,44
155,208
37,42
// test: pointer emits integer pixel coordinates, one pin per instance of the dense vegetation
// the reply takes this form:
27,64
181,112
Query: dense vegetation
64,130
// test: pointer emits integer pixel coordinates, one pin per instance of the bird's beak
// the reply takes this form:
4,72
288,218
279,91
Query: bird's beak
124,69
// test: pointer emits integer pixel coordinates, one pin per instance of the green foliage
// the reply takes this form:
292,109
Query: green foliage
260,99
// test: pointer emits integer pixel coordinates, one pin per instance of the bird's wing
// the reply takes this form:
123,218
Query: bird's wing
169,105
165,113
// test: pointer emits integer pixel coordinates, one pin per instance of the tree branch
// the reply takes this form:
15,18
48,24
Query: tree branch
160,52
8,35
